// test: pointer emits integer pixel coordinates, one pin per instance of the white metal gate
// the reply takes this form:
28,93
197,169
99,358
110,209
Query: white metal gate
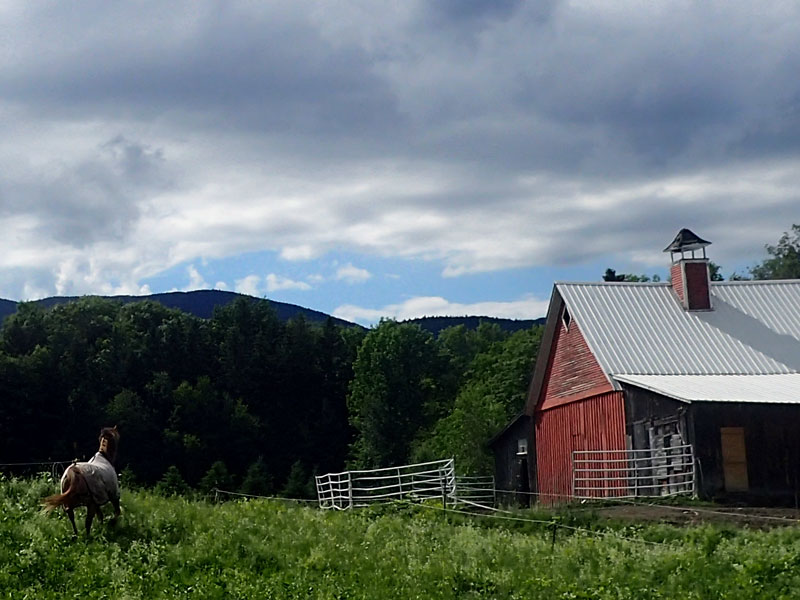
423,481
476,490
664,471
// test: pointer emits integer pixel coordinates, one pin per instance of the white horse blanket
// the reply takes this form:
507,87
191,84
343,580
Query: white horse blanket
100,477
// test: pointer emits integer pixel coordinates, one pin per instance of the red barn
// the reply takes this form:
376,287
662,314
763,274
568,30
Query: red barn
687,386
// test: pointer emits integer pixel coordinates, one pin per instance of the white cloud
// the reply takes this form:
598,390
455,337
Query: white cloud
299,252
276,283
351,274
249,285
529,307
196,281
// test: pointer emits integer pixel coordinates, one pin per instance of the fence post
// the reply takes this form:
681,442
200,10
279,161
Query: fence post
350,489
443,484
574,475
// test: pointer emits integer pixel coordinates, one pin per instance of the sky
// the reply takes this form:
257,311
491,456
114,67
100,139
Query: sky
389,159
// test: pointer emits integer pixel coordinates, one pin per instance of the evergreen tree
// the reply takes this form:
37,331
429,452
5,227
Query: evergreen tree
172,483
217,477
257,481
299,484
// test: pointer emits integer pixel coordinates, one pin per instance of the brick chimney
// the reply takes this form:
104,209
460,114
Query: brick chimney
691,280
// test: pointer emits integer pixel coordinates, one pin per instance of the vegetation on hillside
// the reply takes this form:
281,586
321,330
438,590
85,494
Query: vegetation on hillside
243,398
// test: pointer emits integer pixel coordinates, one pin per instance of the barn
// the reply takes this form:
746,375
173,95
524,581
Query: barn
650,389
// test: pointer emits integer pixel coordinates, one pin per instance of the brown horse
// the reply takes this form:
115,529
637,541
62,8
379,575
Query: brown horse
90,484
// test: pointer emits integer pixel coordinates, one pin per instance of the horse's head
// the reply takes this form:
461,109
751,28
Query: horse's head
109,440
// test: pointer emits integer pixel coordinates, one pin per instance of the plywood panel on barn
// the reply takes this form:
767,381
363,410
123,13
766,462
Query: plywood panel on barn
734,459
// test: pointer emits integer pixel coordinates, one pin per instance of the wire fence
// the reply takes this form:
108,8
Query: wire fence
414,483
54,468
479,509
480,489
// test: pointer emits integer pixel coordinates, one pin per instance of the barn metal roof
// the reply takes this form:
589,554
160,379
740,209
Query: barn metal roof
777,389
642,329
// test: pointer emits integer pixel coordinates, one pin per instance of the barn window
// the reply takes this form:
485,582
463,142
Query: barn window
566,318
522,446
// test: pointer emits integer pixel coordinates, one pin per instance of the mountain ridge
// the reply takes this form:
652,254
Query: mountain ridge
201,303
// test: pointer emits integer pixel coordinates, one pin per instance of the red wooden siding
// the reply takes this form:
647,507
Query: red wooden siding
595,423
676,274
573,373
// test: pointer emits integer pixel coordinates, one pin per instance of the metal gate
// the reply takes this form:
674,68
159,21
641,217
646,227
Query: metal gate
423,481
661,471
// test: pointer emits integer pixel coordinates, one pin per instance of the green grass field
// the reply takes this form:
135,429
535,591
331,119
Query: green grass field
176,548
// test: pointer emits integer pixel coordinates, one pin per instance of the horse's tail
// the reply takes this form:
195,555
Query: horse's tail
72,481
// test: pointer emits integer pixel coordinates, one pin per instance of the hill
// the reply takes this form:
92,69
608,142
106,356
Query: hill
7,307
200,303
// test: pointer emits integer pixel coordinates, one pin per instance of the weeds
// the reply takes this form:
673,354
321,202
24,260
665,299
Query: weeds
179,548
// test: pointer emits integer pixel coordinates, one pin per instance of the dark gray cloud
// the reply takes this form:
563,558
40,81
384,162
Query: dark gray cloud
299,125
623,91
94,198
211,65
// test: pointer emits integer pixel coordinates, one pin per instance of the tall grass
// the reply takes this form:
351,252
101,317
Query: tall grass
176,548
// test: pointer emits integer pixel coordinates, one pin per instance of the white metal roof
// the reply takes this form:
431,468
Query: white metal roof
642,329
778,389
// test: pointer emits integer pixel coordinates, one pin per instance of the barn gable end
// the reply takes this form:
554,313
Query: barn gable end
574,405
572,371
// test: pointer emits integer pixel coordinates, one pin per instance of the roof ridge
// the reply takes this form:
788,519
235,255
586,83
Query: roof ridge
667,283
615,283
758,282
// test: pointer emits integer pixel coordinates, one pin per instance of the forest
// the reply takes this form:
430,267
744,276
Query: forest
245,401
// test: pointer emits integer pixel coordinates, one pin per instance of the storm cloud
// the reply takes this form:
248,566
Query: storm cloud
481,135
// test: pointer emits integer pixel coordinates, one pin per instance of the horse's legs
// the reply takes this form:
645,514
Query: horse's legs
117,511
71,515
91,509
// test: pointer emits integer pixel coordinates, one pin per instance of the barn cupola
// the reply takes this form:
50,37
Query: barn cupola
689,272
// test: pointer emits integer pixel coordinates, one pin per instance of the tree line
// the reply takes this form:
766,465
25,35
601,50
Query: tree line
245,401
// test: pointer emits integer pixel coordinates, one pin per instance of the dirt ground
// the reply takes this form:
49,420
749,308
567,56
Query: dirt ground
695,515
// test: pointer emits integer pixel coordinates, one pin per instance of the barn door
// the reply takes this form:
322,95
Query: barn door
668,465
734,459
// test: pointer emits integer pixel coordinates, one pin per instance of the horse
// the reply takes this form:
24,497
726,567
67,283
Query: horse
90,484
